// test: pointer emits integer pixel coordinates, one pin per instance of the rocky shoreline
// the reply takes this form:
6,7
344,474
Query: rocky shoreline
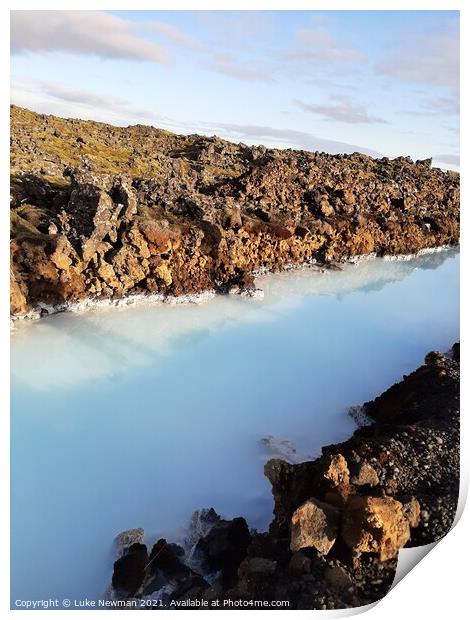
339,521
102,212
41,309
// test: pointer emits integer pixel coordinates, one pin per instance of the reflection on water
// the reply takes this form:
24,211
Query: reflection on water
108,341
136,416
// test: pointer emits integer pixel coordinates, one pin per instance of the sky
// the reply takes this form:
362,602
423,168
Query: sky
380,82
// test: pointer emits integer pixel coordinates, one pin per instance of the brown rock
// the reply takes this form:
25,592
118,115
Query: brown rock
163,272
18,302
337,577
412,512
233,218
257,566
325,208
375,525
336,470
348,197
337,475
126,539
255,578
366,474
205,208
299,563
314,524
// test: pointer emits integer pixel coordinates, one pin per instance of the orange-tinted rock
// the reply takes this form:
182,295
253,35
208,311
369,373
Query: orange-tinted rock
366,475
314,524
375,525
336,470
182,214
412,512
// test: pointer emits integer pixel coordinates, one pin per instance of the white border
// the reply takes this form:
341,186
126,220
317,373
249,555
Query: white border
439,584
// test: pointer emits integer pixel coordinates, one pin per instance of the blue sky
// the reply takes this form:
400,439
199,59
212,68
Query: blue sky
377,81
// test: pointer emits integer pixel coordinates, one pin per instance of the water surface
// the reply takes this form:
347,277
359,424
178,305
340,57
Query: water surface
135,417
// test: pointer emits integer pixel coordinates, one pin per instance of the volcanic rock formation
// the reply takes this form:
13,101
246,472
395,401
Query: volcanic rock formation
101,212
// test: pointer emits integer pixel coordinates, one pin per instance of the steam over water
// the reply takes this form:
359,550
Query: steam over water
137,416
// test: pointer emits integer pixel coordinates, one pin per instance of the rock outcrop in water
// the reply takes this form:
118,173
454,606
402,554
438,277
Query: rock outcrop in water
339,521
100,212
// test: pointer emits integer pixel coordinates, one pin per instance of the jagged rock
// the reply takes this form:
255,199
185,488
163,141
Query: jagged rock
375,525
336,473
224,547
337,577
366,475
168,559
129,570
403,402
191,587
178,215
336,470
412,512
126,539
314,524
200,524
255,578
300,564
167,572
325,208
18,290
259,567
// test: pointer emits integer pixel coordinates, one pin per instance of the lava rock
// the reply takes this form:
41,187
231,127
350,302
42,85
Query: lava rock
225,546
314,524
129,570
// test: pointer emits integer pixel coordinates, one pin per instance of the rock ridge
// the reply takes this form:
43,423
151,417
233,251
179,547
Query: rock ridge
102,212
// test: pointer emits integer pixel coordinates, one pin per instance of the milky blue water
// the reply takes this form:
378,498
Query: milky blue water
135,417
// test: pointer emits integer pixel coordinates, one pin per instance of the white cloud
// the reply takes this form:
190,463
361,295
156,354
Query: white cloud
235,29
318,43
437,106
340,109
430,58
448,159
443,105
53,98
82,97
175,35
238,69
82,32
288,138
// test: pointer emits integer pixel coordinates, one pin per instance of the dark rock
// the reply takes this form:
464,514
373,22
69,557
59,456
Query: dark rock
338,578
167,558
129,570
225,545
300,563
256,578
